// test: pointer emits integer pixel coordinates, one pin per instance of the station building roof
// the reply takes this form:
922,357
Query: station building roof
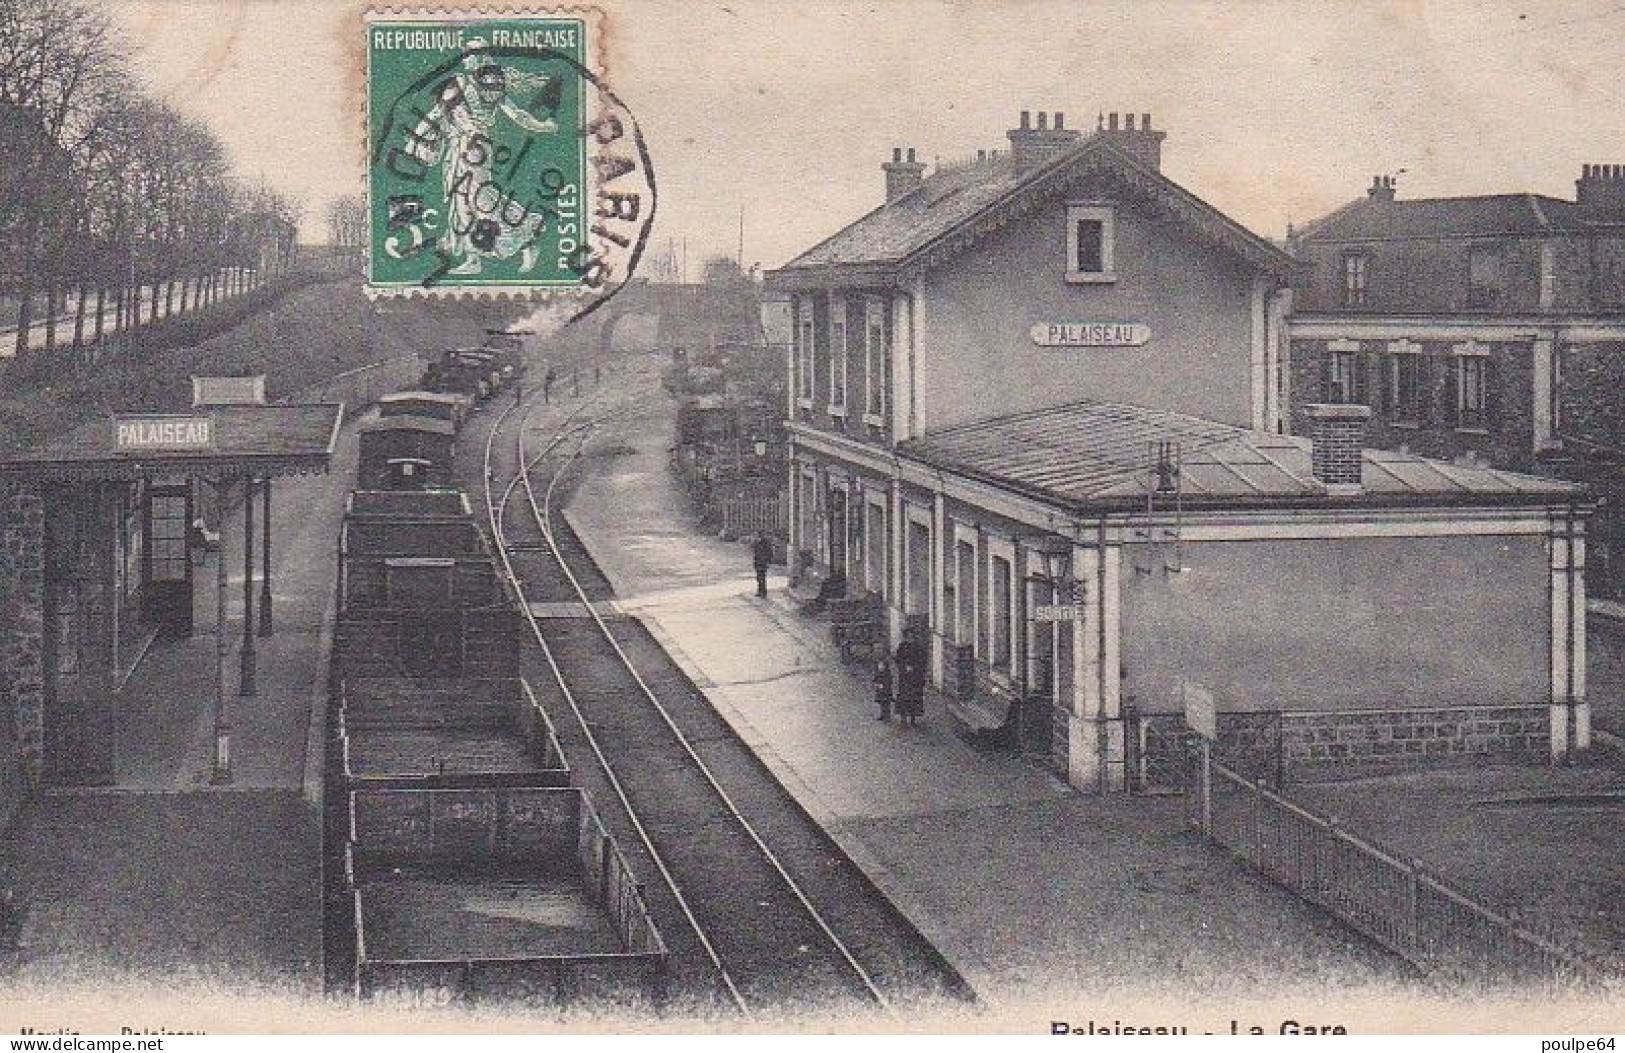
286,439
1101,456
955,207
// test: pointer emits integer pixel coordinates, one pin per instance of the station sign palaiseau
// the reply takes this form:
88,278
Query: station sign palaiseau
146,433
1091,334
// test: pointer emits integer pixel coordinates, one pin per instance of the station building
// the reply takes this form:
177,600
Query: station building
1485,329
1037,412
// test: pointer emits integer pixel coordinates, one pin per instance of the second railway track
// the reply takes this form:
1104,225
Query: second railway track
762,909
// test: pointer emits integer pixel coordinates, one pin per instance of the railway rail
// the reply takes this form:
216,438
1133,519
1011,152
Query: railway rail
781,917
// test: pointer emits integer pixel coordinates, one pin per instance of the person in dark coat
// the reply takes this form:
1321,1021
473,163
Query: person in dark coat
762,556
884,689
911,660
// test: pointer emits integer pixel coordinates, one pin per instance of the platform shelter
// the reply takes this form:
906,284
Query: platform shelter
100,532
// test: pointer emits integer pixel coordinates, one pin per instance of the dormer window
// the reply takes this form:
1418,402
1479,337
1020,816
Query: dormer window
1483,277
1354,273
1089,237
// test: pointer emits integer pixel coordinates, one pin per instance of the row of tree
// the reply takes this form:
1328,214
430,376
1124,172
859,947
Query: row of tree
114,208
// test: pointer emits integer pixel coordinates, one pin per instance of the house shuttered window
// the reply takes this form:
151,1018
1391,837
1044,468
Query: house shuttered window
837,357
874,361
1473,400
1344,372
1405,393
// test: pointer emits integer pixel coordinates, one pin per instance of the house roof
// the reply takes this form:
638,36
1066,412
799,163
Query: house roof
1446,217
1102,455
283,439
956,206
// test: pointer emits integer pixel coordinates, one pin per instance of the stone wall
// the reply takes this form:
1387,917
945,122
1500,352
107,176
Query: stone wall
22,619
1312,747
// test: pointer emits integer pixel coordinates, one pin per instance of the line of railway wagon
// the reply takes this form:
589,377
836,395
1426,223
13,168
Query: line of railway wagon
462,866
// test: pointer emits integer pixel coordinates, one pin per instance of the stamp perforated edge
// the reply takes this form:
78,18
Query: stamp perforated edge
597,66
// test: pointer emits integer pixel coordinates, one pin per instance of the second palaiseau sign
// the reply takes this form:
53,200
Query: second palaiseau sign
1090,334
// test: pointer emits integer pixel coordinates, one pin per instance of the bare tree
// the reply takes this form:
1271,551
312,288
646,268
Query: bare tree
347,222
58,68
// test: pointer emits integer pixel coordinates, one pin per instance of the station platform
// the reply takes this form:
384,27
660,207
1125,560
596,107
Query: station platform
1044,899
165,737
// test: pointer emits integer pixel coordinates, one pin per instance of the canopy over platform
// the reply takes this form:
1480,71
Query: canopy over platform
241,440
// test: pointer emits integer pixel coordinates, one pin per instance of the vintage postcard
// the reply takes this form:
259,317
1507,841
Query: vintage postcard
1037,516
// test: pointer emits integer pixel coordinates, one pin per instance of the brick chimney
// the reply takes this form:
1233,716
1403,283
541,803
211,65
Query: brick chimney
1336,439
1382,188
1031,147
1600,190
902,177
1140,142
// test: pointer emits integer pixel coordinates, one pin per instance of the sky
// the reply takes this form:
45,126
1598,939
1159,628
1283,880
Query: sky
1276,111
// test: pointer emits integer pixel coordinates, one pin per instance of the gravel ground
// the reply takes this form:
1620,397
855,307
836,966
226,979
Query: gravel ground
1542,841
206,886
1605,674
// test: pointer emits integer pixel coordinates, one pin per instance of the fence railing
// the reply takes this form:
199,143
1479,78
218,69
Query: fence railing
745,514
1440,929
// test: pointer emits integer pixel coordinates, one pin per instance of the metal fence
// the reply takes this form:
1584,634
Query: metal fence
1443,931
746,514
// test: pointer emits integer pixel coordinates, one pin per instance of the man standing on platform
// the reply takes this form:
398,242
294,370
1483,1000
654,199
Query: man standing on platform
762,555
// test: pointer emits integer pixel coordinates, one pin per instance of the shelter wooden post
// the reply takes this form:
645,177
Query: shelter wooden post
247,686
265,564
222,712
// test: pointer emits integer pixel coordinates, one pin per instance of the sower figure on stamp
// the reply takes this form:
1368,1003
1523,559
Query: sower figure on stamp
762,556
457,134
911,659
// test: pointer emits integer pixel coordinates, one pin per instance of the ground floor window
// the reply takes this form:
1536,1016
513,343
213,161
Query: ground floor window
999,630
918,597
875,540
1405,392
1343,372
964,593
1472,391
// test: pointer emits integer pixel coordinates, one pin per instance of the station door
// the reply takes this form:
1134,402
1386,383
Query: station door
166,563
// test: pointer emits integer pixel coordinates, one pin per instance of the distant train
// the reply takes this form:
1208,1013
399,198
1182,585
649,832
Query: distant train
409,440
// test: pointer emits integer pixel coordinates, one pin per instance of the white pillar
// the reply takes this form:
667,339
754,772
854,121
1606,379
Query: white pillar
1095,736
896,565
1083,739
795,509
1259,351
1577,650
1568,705
1543,394
939,562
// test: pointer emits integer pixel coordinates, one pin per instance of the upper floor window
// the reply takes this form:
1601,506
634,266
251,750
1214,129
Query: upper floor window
804,353
1343,380
1405,376
1483,277
837,356
874,361
1354,279
1089,243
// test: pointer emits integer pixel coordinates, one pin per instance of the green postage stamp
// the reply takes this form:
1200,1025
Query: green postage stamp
498,158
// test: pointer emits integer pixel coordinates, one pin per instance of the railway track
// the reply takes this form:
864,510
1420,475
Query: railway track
772,915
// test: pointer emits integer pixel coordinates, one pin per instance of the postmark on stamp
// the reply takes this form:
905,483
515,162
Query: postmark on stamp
498,158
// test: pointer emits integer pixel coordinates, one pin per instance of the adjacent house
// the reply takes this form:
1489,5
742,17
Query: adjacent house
1484,330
